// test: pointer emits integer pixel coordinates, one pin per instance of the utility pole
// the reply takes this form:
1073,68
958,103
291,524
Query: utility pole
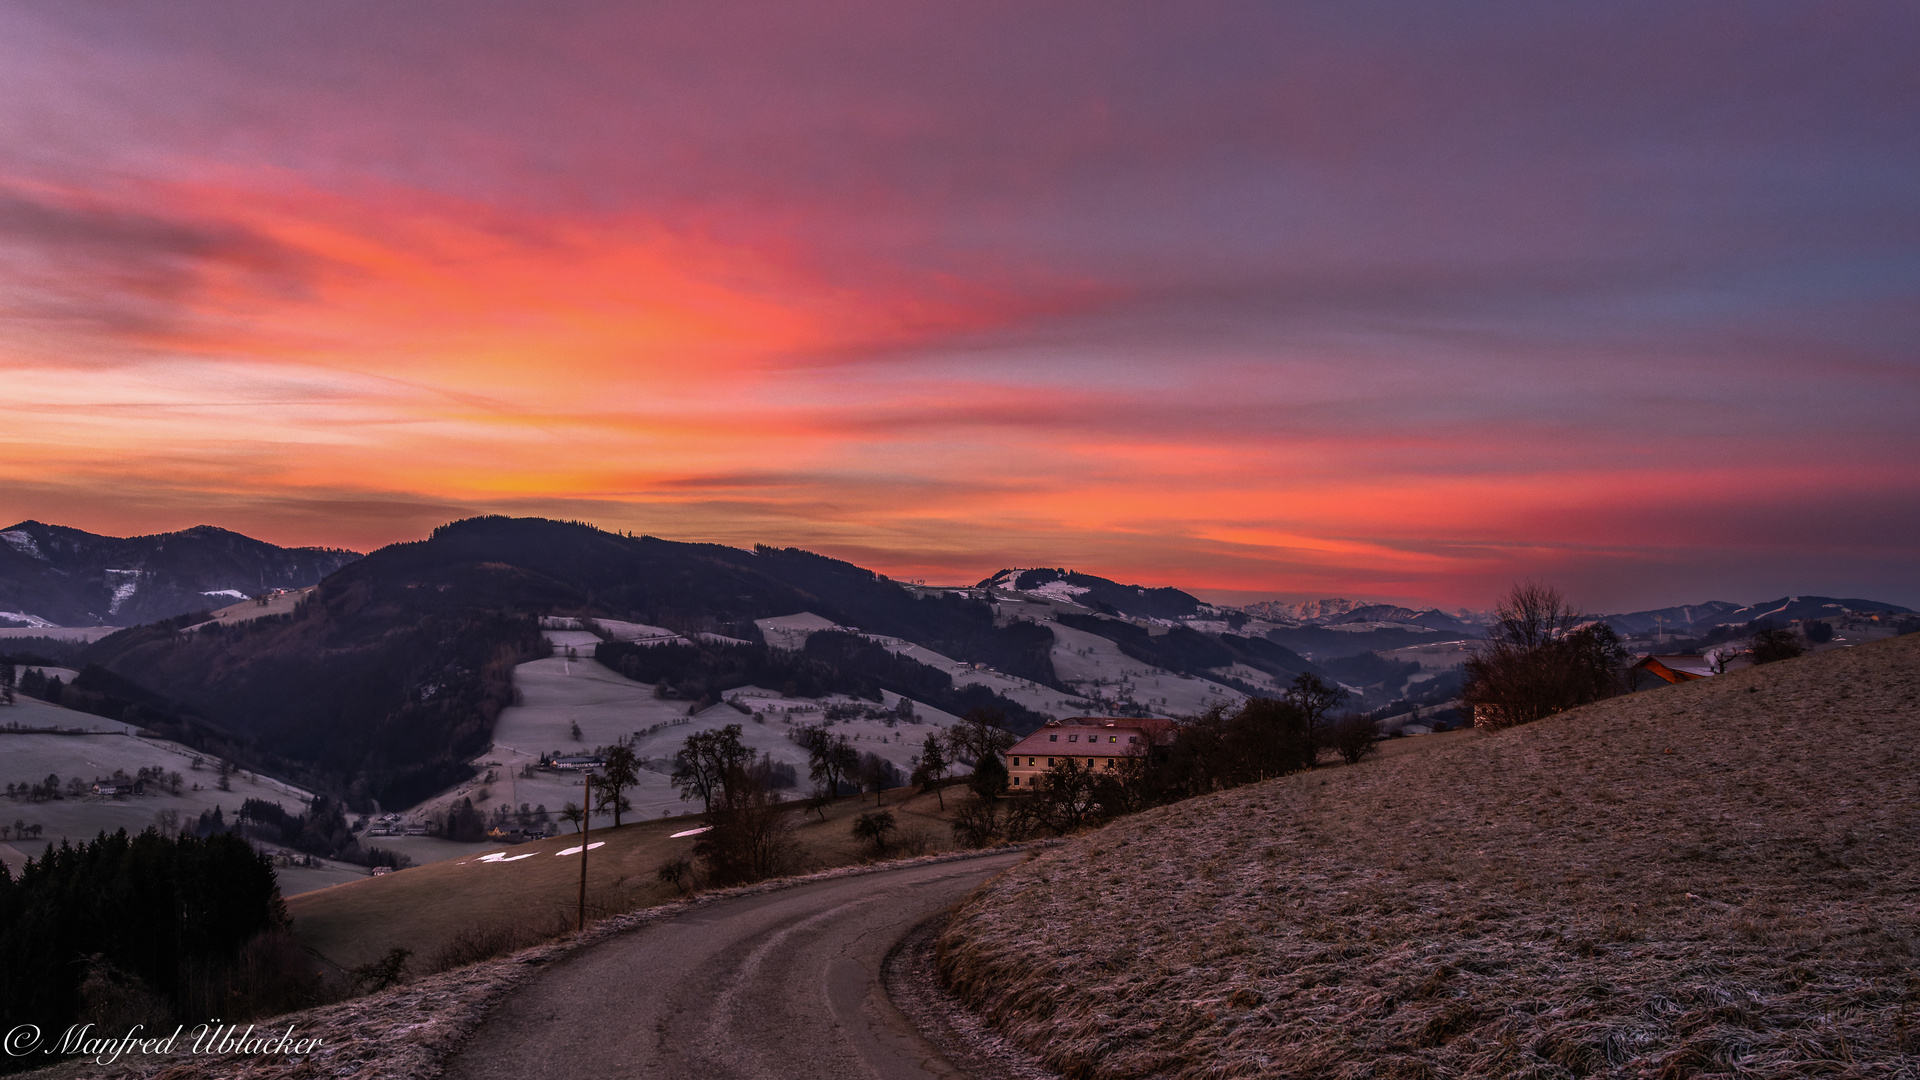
586,819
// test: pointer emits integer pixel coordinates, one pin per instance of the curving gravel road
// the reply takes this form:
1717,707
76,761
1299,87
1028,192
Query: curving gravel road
783,986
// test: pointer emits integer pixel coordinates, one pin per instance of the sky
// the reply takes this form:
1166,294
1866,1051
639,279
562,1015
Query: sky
1380,300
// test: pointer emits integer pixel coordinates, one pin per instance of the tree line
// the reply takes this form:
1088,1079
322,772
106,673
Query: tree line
146,929
832,662
1220,748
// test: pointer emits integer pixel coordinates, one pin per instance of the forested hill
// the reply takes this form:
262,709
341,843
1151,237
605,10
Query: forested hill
387,681
68,577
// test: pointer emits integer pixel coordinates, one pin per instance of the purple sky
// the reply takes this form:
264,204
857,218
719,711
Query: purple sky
1385,300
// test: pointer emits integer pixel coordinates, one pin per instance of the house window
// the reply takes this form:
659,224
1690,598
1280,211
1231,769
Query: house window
1113,738
1053,736
1030,761
1015,762
1073,738
1133,738
1049,763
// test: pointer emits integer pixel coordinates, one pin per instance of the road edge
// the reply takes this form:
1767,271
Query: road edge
409,1032
965,1038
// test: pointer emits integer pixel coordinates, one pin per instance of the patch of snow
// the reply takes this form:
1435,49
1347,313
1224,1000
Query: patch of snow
21,616
1059,590
576,851
636,632
501,856
22,542
235,593
124,590
690,832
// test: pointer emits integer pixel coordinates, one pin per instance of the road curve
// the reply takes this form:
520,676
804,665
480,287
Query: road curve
782,985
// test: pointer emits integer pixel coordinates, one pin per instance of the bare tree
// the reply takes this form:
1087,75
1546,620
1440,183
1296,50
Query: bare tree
621,772
980,734
702,765
1354,737
1531,616
831,760
752,834
1534,662
877,774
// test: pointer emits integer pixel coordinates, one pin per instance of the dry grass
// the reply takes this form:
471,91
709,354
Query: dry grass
424,909
1721,878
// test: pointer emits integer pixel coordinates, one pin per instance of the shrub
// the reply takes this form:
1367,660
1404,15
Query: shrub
1354,737
977,824
875,828
677,872
1774,644
476,943
379,974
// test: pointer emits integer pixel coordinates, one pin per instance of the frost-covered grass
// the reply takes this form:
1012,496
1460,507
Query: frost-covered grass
1721,878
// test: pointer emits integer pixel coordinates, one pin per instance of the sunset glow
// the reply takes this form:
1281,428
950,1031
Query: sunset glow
1241,298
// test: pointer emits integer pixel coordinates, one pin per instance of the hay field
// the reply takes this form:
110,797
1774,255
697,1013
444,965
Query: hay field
536,893
1720,878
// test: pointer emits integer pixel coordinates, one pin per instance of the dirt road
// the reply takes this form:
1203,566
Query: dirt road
782,986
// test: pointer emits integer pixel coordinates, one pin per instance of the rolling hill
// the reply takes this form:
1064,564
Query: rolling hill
386,681
1718,878
53,575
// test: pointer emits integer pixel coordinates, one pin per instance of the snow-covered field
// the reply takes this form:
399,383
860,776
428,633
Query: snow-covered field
557,693
1083,660
30,759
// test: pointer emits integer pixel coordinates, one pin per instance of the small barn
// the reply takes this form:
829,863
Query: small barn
1677,668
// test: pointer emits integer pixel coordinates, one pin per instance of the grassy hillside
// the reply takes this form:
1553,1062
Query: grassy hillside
1716,878
424,908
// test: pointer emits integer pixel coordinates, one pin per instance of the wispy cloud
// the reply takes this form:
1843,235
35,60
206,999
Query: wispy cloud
1248,297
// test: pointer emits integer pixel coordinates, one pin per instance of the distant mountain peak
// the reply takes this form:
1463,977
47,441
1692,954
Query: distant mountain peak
1096,593
70,577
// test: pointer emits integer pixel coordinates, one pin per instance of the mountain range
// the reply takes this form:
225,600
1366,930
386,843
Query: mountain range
385,681
57,576
1337,612
1697,619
